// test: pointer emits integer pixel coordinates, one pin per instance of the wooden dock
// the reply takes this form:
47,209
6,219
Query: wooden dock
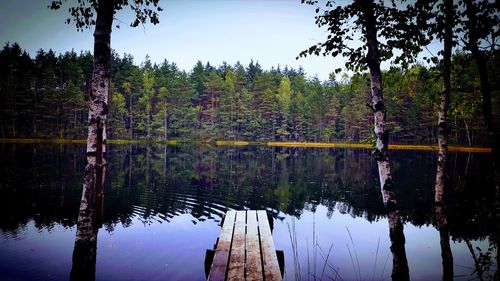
245,249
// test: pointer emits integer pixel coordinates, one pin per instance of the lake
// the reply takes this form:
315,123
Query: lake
163,207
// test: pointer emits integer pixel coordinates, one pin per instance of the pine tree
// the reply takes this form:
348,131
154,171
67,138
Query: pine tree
146,104
284,105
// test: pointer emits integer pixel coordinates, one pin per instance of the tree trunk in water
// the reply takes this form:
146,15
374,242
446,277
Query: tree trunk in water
400,269
444,235
377,104
477,265
445,97
89,222
84,254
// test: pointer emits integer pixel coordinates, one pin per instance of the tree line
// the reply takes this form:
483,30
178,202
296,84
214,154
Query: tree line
46,97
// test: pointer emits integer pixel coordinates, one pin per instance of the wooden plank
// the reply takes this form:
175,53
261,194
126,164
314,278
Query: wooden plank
237,257
219,265
269,258
254,262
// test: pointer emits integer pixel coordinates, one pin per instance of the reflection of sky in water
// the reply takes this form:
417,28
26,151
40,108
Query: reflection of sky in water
37,253
422,247
158,251
176,250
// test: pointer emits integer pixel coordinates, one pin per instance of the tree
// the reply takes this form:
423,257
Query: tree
482,21
263,105
371,19
160,118
117,113
228,104
100,13
284,104
18,101
33,88
214,87
440,22
146,102
447,37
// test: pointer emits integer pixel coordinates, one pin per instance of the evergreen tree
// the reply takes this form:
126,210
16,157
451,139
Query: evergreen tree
284,106
146,104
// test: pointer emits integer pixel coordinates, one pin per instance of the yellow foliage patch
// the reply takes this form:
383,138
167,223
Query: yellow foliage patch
452,148
231,143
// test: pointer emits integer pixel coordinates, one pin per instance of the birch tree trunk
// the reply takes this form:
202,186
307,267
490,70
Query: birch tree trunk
443,107
377,104
84,254
400,269
98,100
447,258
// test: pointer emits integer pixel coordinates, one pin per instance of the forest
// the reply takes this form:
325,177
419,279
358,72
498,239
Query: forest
46,97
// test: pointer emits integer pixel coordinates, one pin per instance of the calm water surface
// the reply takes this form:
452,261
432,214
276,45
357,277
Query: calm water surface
163,207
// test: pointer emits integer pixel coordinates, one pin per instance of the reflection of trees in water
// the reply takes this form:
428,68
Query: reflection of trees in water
89,222
205,181
400,269
40,183
444,238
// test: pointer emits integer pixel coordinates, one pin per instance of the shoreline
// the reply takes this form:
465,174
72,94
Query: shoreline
425,147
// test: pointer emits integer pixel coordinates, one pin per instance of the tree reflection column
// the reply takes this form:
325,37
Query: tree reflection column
400,269
445,242
89,222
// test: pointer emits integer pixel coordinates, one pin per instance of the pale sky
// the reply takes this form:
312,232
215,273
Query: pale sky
272,32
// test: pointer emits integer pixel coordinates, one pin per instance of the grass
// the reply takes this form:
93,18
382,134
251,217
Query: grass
360,273
231,143
452,148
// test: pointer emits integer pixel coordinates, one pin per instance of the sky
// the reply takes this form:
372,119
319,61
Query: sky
272,32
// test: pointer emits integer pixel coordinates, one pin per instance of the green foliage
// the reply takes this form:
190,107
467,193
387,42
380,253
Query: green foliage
346,27
161,102
146,104
116,118
84,13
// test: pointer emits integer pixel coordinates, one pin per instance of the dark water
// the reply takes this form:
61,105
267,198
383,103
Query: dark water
163,206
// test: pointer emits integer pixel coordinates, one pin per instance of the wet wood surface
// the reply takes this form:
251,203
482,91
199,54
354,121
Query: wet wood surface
245,249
